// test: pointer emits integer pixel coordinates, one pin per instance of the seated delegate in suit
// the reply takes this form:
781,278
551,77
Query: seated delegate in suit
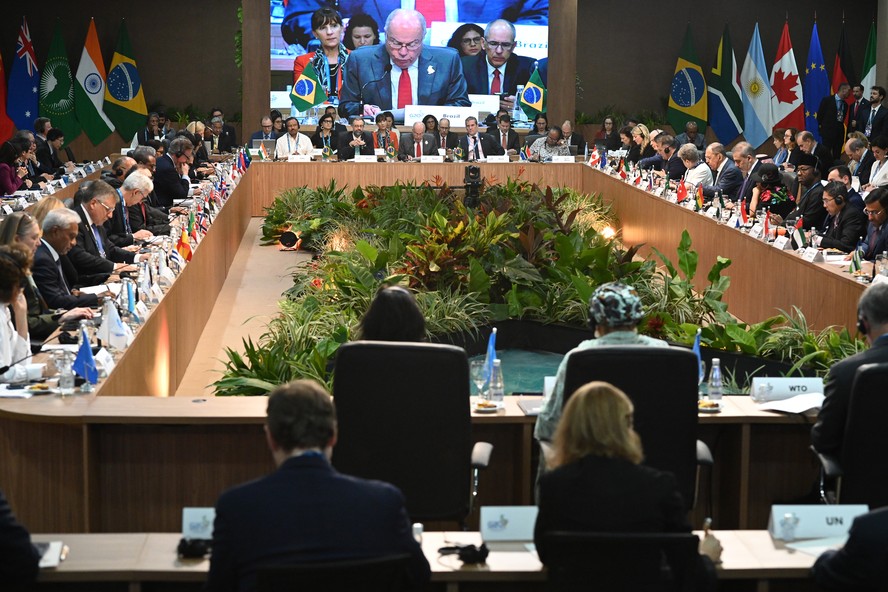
356,141
550,145
305,511
330,58
445,139
48,154
667,147
227,130
573,138
21,231
728,178
266,131
13,172
220,140
292,142
862,563
151,131
845,225
872,314
808,194
596,482
876,210
171,173
476,145
506,136
53,273
19,558
384,136
614,313
416,144
859,152
843,174
120,231
95,202
691,136
817,149
324,136
408,73
696,171
496,70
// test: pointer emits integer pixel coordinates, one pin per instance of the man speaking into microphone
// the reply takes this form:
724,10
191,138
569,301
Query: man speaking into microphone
402,72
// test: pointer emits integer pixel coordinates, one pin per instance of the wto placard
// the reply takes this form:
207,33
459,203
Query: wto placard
767,388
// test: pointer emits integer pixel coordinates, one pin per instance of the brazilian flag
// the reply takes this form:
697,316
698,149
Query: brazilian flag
308,90
688,95
533,97
124,96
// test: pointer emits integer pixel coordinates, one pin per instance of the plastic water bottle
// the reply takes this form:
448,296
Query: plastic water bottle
497,388
715,380
517,112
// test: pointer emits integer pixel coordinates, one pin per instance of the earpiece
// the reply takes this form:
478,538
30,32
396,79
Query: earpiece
862,325
838,200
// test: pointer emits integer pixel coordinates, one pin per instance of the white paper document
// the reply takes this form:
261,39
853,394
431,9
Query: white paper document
797,404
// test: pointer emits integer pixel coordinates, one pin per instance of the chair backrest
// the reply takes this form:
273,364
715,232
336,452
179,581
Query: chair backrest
662,383
530,139
864,453
382,574
622,561
404,417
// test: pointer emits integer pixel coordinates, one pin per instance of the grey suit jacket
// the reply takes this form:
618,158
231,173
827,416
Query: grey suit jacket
407,146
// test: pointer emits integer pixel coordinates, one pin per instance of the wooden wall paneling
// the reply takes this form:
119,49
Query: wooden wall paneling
562,72
256,65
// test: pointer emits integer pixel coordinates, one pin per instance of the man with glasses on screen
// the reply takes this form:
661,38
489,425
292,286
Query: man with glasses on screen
496,70
402,72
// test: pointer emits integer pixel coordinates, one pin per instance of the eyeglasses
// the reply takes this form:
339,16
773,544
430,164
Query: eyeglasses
826,200
396,45
471,40
872,213
495,45
107,209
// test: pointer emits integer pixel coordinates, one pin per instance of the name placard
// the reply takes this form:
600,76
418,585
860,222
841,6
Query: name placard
379,152
880,279
563,158
317,152
756,230
197,523
365,158
298,158
712,212
788,523
457,115
783,243
498,158
812,255
777,388
107,160
435,158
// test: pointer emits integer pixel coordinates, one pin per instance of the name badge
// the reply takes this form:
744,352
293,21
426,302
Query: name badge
431,158
197,523
365,158
812,255
498,158
562,158
298,158
788,523
782,243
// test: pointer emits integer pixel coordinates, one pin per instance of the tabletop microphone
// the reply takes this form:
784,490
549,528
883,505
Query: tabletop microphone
385,71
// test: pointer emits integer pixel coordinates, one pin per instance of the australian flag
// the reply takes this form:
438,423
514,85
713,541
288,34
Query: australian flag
24,82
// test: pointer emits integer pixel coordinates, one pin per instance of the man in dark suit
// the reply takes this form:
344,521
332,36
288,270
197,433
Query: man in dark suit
171,173
19,559
873,120
872,314
496,70
809,145
356,141
845,224
48,153
573,138
507,137
831,120
744,158
843,174
727,177
402,72
856,108
94,202
864,157
876,209
667,147
862,564
227,130
475,145
808,191
305,511
265,133
135,188
416,144
59,235
222,140
445,139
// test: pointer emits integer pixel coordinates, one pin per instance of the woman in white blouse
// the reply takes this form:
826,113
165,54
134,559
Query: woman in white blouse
698,172
879,170
15,345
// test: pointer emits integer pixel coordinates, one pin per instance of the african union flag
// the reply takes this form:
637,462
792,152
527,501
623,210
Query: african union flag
687,97
124,95
533,97
308,90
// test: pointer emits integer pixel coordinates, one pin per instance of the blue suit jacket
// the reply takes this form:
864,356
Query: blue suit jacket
306,512
446,85
860,564
728,182
518,70
168,185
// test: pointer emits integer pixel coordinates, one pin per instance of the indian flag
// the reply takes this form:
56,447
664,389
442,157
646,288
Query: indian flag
89,91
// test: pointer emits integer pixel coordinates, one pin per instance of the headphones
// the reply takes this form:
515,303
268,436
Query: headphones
862,325
467,553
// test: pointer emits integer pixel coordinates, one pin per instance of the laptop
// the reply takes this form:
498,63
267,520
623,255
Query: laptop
531,406
269,145
508,528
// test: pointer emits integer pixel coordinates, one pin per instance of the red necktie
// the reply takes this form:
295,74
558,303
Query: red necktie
418,149
432,10
405,91
495,85
505,140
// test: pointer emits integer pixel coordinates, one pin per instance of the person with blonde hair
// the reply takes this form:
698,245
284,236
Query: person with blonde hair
641,140
597,483
46,204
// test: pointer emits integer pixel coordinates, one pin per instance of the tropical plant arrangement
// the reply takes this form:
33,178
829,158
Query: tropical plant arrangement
524,252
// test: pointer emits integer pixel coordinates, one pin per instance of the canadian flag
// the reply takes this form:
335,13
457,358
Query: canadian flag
787,109
594,158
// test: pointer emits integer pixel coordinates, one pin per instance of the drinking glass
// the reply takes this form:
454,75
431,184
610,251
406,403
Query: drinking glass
478,371
881,265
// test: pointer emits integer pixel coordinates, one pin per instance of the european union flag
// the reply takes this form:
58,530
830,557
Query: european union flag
85,364
24,82
816,83
308,90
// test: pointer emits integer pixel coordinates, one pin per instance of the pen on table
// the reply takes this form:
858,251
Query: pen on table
64,553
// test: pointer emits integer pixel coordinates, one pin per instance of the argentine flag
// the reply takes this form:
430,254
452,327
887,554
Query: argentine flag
756,93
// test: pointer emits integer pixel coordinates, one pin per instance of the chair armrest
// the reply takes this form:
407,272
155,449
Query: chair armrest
704,455
481,454
830,464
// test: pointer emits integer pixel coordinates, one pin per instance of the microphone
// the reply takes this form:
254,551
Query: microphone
5,369
385,71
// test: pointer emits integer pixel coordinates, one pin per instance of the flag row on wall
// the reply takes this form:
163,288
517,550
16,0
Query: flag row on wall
751,103
87,100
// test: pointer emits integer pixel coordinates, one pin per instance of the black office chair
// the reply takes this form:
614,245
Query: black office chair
662,384
860,471
403,415
631,562
530,139
382,574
